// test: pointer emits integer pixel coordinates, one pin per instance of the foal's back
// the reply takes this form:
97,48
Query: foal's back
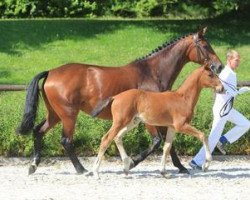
153,108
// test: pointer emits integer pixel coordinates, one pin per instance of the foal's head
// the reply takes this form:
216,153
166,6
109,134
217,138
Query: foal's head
209,79
201,51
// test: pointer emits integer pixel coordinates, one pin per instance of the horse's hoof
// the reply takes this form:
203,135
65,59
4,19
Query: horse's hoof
81,170
184,171
32,169
128,164
89,174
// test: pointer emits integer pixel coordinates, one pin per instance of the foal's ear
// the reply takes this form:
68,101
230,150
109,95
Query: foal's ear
207,66
202,31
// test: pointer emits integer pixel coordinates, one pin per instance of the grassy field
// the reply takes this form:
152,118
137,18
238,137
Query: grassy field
30,46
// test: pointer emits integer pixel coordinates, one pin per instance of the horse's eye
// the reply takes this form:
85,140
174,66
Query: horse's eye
205,46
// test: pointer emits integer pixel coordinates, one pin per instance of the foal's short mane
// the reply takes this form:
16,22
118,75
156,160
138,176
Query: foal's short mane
163,46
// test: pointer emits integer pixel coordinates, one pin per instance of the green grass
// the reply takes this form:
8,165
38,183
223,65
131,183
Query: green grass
30,46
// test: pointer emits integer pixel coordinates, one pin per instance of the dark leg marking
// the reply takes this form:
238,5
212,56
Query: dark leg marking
69,147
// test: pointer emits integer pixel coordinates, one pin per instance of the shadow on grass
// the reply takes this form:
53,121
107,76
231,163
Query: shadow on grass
5,74
35,33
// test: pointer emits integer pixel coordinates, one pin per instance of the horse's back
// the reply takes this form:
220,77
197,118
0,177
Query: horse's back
81,86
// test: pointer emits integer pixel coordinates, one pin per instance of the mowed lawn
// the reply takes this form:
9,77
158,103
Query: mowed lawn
28,47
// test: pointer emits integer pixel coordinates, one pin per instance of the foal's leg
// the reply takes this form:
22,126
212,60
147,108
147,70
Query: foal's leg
186,128
128,163
166,149
38,133
157,134
67,142
106,141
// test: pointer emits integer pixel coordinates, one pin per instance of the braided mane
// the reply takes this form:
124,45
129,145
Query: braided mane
163,46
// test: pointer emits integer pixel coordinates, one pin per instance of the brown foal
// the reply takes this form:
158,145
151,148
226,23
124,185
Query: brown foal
171,108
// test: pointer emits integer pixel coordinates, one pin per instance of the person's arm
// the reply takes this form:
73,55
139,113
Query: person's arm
243,90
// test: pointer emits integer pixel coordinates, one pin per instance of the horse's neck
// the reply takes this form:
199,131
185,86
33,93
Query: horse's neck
190,90
164,66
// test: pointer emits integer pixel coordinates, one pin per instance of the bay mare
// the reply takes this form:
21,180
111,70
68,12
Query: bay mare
171,108
75,87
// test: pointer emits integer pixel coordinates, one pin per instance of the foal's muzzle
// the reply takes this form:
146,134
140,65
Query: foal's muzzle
220,89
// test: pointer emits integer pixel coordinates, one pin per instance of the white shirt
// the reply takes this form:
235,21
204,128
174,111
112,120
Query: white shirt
230,84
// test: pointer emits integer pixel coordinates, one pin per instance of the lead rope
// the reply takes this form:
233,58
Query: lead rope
227,107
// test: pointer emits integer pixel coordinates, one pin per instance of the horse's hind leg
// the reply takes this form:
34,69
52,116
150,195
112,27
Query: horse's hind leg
67,141
37,147
38,133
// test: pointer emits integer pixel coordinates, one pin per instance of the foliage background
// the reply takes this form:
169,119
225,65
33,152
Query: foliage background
119,8
29,46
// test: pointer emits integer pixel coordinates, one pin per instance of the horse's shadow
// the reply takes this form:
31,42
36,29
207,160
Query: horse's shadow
229,173
222,173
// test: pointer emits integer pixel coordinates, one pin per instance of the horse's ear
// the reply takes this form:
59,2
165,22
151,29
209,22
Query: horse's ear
202,31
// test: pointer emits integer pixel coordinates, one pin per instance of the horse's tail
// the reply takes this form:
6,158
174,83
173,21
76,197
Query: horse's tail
31,104
100,106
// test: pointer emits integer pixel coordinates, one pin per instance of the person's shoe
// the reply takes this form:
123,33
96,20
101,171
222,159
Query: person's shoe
221,146
194,166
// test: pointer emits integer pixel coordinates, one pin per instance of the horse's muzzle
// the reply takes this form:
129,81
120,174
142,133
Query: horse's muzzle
216,68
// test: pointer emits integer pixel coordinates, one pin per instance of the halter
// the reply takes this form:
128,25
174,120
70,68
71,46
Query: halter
200,50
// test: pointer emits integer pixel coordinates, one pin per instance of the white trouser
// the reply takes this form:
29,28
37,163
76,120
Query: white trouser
242,125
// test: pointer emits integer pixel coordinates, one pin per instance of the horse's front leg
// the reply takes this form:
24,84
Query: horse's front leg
156,144
176,161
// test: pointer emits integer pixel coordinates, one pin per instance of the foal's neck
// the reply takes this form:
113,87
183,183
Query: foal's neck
190,89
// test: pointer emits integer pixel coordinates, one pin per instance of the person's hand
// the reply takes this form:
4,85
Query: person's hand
232,93
243,90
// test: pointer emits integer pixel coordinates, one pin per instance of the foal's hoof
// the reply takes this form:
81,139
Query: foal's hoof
184,171
128,164
32,169
163,172
205,167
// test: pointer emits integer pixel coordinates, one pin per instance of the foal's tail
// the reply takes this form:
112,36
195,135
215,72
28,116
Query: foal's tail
31,105
100,106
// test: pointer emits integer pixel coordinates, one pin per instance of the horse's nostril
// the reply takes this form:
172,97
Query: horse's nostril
220,68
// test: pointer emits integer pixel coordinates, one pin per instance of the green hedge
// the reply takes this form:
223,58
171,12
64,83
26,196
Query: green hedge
89,131
122,8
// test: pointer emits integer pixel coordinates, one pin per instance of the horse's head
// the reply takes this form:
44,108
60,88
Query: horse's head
201,51
209,79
